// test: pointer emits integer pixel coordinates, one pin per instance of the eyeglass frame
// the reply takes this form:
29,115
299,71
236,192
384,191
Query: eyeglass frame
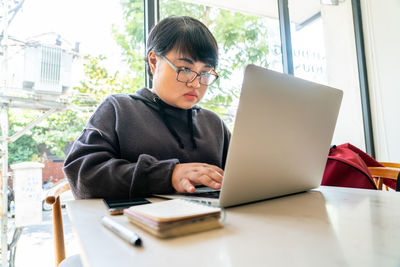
194,78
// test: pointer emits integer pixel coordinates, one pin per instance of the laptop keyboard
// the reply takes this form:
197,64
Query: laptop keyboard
212,194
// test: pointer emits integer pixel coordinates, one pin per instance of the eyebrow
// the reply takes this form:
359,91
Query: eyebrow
188,60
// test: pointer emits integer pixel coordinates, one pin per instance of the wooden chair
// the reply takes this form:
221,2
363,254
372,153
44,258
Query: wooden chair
389,171
58,231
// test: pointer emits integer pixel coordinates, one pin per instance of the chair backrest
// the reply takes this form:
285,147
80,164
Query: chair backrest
389,171
58,229
390,164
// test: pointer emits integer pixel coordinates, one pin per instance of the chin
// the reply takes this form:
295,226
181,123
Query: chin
186,106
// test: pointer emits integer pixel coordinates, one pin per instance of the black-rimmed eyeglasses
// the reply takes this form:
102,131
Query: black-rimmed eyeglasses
186,75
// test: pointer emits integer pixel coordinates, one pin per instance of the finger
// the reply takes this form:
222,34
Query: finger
207,181
216,168
214,175
187,185
205,165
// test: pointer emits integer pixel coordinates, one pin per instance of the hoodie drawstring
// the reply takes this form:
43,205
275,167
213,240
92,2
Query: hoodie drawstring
191,127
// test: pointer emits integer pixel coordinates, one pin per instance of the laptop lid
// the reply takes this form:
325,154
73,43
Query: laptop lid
281,138
283,130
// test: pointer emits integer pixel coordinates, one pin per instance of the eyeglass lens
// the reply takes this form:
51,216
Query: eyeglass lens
189,76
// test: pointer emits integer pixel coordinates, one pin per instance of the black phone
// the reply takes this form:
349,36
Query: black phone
117,206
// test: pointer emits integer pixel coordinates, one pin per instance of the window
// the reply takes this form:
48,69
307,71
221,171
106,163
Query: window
242,38
324,51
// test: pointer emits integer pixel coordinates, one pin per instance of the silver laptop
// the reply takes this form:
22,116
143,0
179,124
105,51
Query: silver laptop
281,138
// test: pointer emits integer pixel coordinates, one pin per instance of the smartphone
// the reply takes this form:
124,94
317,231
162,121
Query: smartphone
117,206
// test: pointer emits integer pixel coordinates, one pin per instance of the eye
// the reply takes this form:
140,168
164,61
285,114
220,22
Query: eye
186,70
206,74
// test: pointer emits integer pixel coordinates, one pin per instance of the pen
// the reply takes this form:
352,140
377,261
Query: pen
122,231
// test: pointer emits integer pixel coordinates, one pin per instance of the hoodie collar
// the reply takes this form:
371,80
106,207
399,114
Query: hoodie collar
155,101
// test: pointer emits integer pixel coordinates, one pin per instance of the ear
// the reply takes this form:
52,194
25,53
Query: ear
152,59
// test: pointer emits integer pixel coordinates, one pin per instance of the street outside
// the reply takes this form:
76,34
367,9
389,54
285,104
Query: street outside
36,247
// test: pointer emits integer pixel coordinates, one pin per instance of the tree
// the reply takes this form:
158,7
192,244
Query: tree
131,41
23,149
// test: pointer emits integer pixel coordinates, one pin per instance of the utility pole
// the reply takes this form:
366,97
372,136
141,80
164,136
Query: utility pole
4,145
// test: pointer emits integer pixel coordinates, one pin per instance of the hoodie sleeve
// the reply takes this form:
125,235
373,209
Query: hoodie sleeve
95,169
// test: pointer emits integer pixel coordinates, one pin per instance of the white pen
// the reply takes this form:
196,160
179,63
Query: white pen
122,231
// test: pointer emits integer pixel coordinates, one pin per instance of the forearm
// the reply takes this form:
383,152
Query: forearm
99,175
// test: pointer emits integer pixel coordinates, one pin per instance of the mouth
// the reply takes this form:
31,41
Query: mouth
190,96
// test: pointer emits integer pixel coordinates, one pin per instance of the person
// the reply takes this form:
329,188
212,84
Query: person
157,140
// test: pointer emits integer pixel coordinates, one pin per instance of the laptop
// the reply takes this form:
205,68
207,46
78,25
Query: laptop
280,141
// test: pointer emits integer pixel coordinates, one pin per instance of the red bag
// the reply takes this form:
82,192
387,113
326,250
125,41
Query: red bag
347,166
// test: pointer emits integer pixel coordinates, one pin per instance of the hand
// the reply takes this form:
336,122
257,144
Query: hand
185,176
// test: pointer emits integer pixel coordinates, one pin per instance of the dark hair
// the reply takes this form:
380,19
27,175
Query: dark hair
188,35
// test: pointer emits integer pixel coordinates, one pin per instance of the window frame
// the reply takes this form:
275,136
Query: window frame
151,17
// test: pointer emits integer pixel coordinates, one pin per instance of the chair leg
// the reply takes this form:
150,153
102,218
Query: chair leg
386,188
58,232
380,183
375,181
13,245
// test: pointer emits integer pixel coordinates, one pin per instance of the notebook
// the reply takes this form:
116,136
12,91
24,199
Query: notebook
174,217
281,138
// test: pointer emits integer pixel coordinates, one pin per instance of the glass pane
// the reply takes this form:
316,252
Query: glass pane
243,38
309,60
324,51
83,51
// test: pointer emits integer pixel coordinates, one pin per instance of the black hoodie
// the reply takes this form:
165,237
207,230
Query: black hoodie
132,143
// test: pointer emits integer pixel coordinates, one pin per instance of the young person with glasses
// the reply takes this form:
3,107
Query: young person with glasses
156,140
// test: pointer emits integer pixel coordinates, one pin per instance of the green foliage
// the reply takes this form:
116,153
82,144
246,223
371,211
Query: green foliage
179,8
98,82
60,129
242,37
24,149
131,41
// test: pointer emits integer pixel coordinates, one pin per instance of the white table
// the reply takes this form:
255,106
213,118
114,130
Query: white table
330,226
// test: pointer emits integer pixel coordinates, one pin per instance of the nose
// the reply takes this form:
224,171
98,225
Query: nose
195,83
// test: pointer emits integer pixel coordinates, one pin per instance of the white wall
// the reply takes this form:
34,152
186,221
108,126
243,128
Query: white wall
381,24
